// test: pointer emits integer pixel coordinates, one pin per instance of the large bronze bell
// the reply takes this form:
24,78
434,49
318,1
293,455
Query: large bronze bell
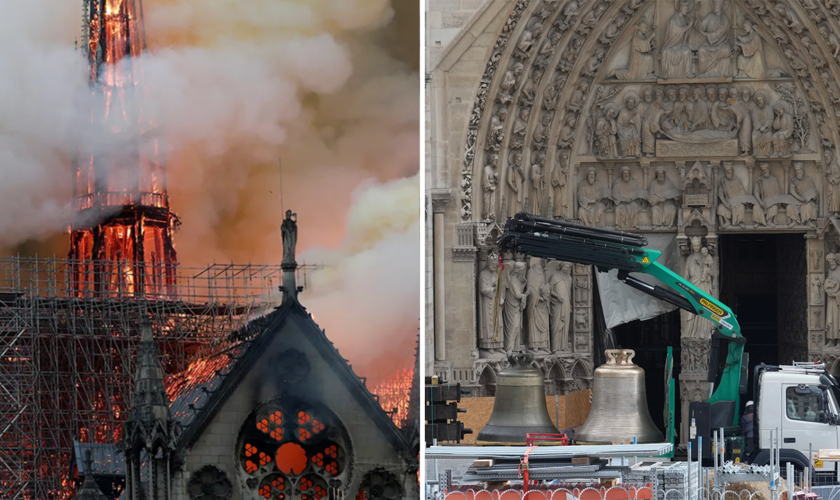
619,410
519,408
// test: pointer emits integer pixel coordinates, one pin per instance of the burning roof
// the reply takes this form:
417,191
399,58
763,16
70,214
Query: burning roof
198,393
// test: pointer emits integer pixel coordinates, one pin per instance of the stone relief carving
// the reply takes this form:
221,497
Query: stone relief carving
750,62
695,355
663,198
675,58
489,182
803,189
515,183
708,116
714,54
592,197
538,197
559,180
733,199
641,61
628,199
816,289
768,193
480,102
629,126
702,271
832,174
684,116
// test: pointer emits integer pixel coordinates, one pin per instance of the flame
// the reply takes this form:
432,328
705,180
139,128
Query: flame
394,394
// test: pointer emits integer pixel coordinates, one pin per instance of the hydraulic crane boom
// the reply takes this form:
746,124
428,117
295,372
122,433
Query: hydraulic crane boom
606,250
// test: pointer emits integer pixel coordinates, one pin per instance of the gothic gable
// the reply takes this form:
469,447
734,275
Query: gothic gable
289,367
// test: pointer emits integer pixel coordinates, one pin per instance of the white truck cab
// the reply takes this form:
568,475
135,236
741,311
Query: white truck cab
800,402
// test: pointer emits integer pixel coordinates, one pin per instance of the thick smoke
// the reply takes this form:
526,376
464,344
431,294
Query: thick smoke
322,84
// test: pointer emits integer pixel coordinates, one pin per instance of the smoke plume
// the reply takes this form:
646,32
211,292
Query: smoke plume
329,86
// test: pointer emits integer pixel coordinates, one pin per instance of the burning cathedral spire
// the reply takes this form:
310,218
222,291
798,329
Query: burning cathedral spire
121,240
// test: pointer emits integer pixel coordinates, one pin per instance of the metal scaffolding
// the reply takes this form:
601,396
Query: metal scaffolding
67,357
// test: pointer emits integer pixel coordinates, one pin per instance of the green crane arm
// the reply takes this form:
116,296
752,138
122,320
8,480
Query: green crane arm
606,249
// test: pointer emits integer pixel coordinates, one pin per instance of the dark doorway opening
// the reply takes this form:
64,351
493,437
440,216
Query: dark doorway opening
761,281
650,339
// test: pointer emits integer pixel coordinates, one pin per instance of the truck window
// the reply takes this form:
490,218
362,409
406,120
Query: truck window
804,403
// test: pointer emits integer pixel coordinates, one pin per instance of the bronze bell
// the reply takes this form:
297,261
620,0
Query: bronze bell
619,410
519,408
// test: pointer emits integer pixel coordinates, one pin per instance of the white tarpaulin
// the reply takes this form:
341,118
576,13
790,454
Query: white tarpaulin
623,304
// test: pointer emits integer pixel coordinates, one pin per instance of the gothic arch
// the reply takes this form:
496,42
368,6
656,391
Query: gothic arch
547,48
487,381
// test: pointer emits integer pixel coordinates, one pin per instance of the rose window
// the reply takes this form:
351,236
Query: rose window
293,451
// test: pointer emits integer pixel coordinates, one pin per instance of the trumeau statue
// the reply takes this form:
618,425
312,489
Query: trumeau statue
701,270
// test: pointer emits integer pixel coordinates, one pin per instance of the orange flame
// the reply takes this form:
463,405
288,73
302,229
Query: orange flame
394,394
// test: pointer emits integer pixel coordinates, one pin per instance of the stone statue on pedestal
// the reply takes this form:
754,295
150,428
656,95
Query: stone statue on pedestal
289,232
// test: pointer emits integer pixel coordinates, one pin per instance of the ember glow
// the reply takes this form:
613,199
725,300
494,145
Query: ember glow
121,186
394,394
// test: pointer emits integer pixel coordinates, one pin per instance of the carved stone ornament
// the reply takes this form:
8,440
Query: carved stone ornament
664,93
380,484
209,483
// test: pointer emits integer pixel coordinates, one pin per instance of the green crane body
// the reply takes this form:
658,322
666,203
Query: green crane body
607,249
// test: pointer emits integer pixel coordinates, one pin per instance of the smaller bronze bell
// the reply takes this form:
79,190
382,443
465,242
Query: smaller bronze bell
619,410
519,408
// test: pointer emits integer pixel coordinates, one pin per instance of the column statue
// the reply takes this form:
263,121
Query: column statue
539,295
560,281
491,317
515,294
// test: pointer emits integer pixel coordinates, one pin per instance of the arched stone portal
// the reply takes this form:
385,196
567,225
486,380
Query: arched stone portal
702,120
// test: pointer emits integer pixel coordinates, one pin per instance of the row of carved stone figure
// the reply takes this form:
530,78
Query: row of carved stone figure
767,198
628,199
538,180
694,114
538,300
